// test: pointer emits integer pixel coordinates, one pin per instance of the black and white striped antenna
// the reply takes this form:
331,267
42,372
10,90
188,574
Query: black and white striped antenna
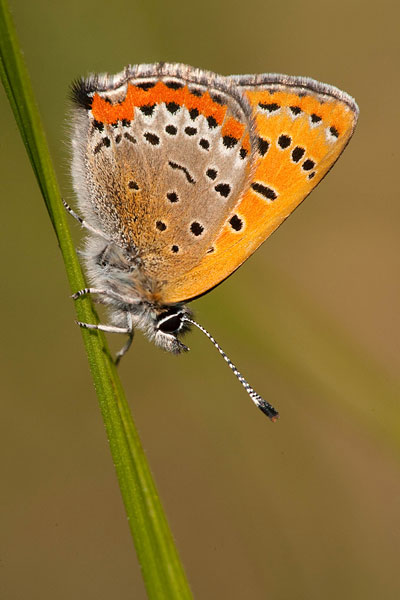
264,406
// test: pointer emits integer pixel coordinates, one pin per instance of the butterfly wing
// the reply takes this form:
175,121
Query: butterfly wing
302,126
162,154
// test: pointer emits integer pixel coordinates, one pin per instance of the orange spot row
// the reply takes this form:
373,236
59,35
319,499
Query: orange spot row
333,111
108,113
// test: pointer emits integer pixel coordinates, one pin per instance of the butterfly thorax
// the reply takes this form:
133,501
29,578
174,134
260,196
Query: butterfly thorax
114,269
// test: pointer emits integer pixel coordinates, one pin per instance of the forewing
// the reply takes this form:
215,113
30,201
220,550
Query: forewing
162,154
302,127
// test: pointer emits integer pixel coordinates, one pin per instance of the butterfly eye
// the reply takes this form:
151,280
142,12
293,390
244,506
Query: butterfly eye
170,324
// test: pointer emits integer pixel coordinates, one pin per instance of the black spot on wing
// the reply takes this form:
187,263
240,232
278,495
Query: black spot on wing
98,125
297,154
308,164
205,144
190,130
172,197
171,129
196,228
130,138
152,138
217,99
105,141
236,223
229,141
172,107
264,190
173,85
263,146
284,141
179,167
161,226
295,110
147,109
224,189
270,108
145,85
196,92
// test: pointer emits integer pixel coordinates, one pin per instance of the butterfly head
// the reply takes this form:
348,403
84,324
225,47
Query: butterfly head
168,324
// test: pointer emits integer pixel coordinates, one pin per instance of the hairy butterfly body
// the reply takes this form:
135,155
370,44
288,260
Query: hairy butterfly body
181,174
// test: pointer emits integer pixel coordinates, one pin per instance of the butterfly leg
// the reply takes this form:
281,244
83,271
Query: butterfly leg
112,329
108,293
106,328
82,222
129,341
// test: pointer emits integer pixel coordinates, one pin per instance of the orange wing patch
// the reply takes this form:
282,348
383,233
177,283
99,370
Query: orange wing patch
299,139
105,112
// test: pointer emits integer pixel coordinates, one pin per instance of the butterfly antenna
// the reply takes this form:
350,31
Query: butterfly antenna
264,406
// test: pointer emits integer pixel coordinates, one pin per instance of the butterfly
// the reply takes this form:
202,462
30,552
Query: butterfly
181,174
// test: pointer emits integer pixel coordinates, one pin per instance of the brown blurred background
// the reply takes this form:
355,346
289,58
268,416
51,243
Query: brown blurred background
307,508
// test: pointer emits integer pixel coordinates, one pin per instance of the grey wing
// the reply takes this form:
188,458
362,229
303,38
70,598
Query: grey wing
161,180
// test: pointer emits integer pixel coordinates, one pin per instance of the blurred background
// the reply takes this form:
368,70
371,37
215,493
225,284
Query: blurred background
307,508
